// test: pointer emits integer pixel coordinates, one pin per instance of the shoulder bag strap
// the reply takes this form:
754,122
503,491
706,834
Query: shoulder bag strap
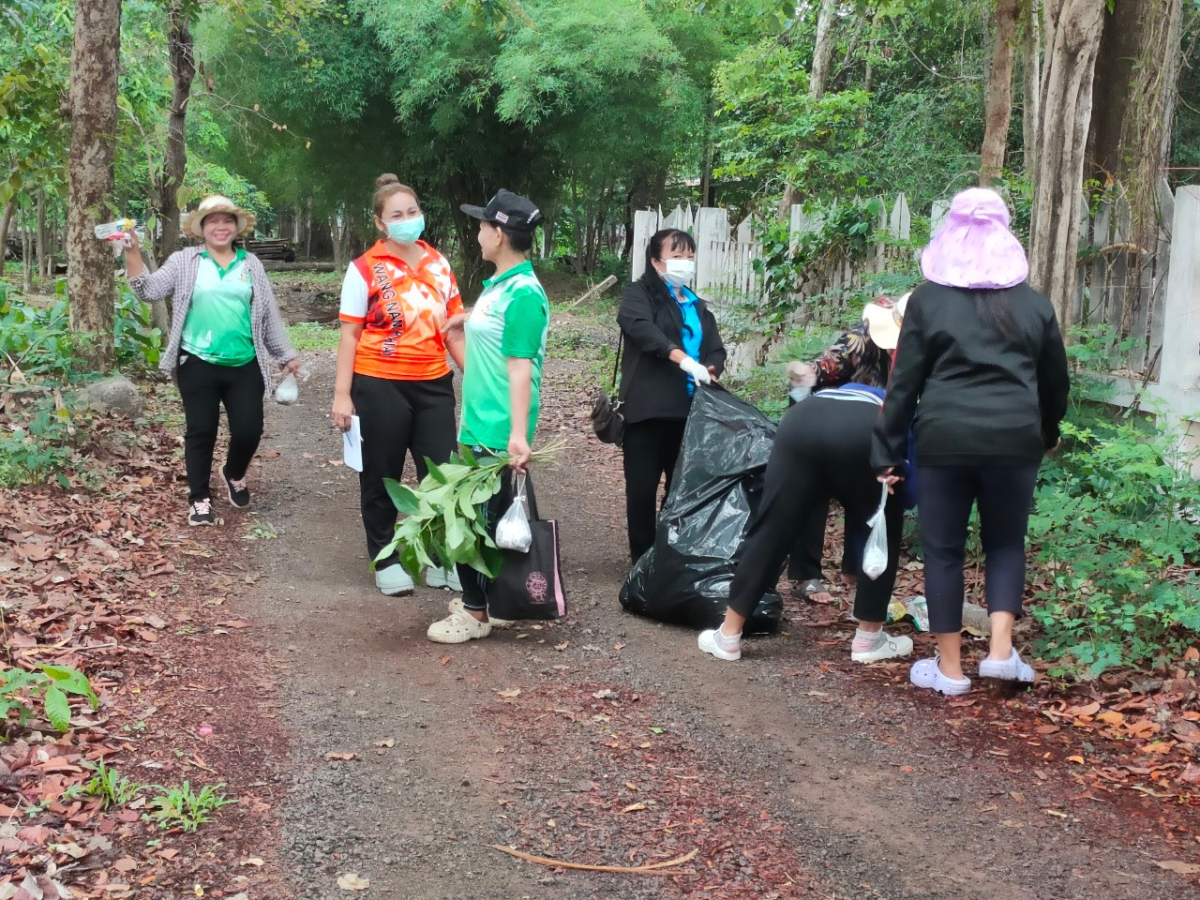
617,361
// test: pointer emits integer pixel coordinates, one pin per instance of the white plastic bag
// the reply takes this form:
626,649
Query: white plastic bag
288,391
875,555
512,531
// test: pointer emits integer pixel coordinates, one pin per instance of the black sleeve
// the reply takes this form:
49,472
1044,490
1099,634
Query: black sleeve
889,443
637,321
1054,382
716,352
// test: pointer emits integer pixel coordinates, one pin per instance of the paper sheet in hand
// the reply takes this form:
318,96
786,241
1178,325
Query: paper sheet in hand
352,445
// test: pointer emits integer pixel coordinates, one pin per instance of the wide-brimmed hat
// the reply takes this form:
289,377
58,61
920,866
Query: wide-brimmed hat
884,318
973,248
194,222
508,210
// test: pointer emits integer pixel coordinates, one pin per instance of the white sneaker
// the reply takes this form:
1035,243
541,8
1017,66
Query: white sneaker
889,647
456,606
720,645
1011,669
443,578
393,580
458,628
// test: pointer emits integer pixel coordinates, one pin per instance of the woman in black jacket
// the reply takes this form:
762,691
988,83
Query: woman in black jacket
671,345
982,352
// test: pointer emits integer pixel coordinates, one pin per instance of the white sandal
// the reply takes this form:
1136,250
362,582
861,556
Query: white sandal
456,605
458,628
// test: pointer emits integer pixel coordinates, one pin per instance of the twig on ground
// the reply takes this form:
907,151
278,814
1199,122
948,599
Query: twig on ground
651,869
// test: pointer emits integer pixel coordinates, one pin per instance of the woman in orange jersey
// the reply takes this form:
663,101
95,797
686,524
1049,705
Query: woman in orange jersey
398,300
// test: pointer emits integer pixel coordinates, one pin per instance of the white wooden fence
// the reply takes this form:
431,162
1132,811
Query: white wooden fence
1162,317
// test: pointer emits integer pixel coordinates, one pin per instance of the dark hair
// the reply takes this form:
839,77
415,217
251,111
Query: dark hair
994,307
680,240
521,241
386,185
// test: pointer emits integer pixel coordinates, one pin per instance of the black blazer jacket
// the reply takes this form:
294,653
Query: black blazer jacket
653,387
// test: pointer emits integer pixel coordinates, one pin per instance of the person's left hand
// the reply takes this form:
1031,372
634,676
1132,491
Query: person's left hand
889,478
519,452
292,366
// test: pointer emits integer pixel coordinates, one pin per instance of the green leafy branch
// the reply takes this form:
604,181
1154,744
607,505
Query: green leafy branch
50,685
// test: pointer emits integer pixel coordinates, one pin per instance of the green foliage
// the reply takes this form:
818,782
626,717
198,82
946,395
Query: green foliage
312,336
1115,517
112,788
442,523
182,807
41,451
21,690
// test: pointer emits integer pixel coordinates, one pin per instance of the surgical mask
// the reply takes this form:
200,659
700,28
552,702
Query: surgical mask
679,272
406,232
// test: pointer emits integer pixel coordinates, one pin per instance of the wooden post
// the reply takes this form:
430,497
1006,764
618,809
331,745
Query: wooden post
645,223
1180,368
712,228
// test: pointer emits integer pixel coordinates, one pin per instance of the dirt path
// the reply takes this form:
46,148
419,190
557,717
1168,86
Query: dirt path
793,773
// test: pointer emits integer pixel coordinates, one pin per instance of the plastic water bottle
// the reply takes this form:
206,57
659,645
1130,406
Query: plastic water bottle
110,231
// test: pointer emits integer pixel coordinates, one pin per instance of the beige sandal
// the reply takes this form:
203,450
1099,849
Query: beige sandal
456,605
458,628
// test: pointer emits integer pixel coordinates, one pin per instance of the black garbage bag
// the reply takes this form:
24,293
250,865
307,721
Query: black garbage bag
684,578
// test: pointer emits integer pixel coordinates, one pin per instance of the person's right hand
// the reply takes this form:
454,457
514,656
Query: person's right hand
700,374
129,242
343,409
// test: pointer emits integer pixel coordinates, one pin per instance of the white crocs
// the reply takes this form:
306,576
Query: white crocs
889,647
1011,669
926,673
456,606
458,628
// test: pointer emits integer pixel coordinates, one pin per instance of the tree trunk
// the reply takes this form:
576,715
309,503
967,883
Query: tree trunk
1031,66
43,269
818,77
1072,31
95,62
5,220
998,105
183,70
27,260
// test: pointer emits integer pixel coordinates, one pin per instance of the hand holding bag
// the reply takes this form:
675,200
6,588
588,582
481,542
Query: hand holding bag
607,420
529,585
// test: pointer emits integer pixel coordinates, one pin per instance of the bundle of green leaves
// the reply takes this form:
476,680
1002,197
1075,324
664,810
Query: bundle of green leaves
442,522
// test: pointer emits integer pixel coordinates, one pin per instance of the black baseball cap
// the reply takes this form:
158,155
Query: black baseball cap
508,210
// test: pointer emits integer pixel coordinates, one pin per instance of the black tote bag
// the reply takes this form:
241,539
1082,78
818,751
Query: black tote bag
530,585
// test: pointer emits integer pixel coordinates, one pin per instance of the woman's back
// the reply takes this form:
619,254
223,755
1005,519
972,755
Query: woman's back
985,366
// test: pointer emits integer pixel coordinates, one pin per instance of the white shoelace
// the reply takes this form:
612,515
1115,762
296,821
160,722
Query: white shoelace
237,485
202,507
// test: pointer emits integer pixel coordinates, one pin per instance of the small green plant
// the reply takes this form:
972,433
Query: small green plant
21,689
181,807
262,531
112,788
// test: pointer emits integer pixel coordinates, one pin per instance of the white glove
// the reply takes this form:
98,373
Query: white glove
699,374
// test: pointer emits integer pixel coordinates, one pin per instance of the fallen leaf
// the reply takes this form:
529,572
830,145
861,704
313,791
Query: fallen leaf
1090,710
446,660
253,861
1182,868
125,864
605,694
235,623
351,882
563,646
634,807
343,757
1112,717
510,694
1076,759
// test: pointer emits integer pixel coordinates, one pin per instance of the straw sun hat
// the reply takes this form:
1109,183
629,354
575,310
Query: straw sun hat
193,224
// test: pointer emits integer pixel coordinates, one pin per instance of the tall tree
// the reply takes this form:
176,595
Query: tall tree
1072,32
183,71
998,102
1031,71
93,108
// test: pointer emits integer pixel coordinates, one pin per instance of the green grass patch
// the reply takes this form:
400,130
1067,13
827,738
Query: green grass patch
312,336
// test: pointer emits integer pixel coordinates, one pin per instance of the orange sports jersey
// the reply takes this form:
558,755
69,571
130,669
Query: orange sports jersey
403,312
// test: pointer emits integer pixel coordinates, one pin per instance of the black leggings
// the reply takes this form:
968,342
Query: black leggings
398,418
822,450
203,387
806,556
945,495
651,449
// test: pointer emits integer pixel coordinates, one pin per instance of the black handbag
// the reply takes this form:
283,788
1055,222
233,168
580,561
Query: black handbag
607,419
529,585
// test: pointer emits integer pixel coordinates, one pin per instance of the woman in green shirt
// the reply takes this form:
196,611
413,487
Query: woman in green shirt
224,325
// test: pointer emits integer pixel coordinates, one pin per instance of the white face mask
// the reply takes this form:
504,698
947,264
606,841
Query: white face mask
679,272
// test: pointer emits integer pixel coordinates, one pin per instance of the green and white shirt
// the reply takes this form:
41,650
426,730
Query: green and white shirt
217,328
510,320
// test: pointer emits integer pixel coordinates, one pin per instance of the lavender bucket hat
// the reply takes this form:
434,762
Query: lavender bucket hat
973,248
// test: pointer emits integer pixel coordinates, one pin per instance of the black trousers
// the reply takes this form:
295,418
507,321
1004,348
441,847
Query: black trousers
945,495
203,387
651,448
805,561
822,450
475,584
398,418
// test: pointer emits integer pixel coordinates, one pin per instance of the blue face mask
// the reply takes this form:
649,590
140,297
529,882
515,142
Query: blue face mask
406,232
